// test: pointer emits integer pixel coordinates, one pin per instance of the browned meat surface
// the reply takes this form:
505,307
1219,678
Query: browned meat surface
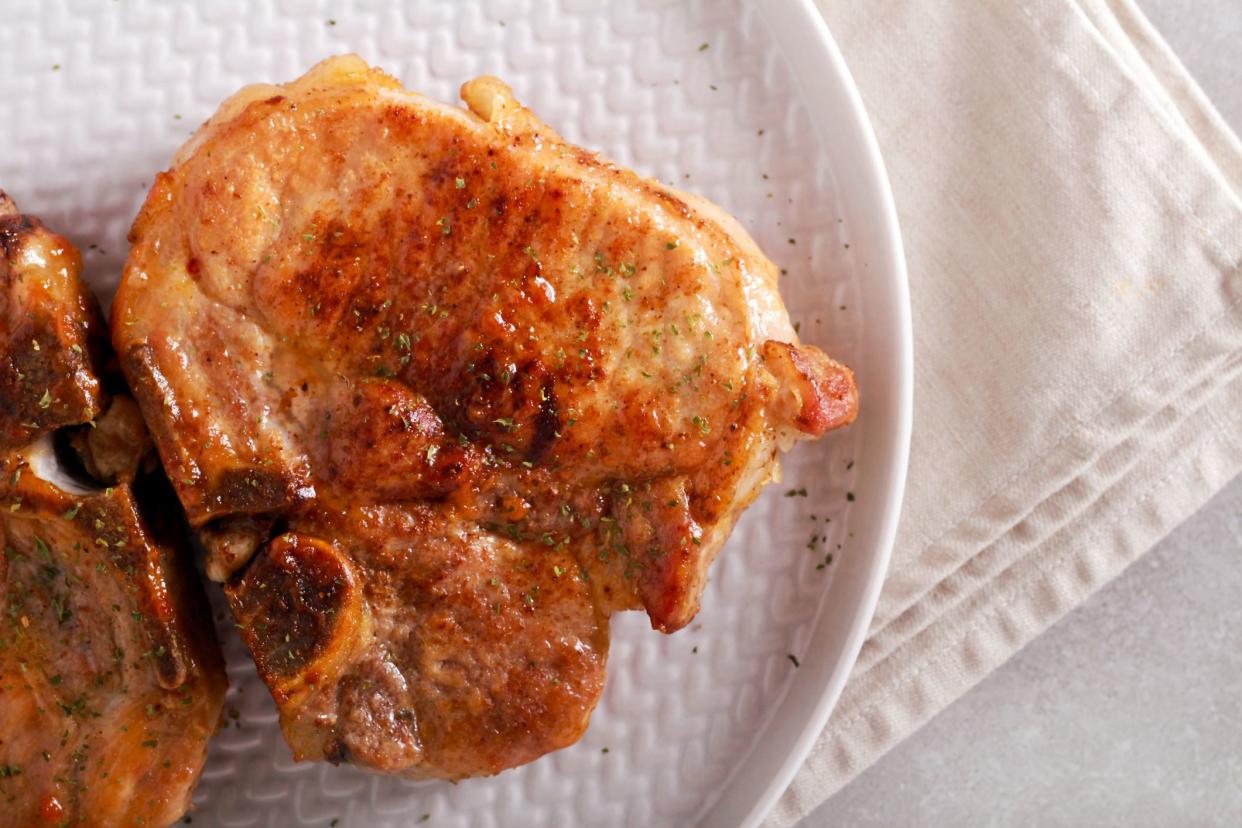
440,393
110,678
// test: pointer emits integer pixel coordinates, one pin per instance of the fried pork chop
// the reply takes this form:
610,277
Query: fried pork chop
110,678
440,393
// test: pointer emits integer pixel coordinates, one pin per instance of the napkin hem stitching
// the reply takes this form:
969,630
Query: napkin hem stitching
997,610
1079,427
1207,390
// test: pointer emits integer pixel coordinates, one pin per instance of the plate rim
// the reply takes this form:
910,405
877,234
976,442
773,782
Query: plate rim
825,60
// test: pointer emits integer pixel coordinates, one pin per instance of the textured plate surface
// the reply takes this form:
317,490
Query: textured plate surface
717,97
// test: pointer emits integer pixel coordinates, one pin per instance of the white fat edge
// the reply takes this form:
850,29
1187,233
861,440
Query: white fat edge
44,465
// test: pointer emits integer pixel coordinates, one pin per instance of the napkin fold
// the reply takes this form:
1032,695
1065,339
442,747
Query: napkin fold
1072,216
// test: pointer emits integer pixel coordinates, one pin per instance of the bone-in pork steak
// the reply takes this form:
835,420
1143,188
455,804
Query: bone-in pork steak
110,678
441,392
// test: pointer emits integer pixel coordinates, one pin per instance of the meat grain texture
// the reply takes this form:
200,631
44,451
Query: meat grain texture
440,392
111,682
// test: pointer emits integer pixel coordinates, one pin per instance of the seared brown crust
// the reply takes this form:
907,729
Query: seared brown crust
822,391
110,678
487,383
52,331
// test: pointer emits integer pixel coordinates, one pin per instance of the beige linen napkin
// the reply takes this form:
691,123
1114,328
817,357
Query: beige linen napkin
1071,211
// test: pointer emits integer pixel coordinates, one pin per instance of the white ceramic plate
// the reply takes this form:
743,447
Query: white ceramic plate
750,105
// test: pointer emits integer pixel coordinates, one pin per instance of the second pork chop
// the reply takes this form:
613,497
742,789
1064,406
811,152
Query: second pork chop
111,682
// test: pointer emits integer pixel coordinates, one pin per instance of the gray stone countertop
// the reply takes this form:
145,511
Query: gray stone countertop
1127,712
